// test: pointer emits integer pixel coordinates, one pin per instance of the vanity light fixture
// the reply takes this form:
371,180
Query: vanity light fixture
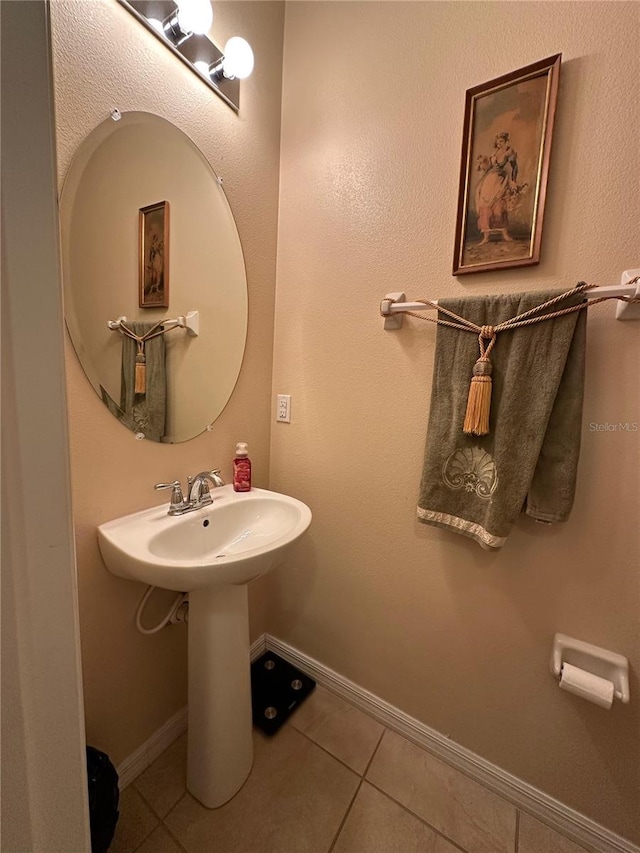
183,26
187,18
236,63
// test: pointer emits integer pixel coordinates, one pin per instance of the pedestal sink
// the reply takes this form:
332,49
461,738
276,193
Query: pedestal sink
211,553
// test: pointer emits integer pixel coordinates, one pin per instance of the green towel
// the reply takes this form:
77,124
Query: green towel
146,412
478,485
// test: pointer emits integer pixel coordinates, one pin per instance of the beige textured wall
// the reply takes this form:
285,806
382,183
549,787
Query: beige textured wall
103,59
373,103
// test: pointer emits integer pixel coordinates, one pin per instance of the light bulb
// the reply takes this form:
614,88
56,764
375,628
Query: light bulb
238,58
203,67
195,16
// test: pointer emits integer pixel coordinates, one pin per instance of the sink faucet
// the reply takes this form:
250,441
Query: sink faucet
198,492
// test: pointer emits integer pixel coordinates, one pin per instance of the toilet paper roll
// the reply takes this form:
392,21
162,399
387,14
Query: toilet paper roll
587,685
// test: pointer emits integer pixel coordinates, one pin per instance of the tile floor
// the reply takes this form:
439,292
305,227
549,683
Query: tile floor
332,780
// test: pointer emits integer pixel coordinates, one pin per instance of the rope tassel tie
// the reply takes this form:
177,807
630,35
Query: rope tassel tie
140,375
140,386
476,419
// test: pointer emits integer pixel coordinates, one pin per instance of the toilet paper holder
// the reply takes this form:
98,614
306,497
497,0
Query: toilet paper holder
600,662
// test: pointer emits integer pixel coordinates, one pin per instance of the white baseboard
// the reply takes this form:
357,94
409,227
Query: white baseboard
146,754
258,647
566,820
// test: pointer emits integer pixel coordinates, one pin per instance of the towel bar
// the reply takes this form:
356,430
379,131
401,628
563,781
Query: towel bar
393,303
189,321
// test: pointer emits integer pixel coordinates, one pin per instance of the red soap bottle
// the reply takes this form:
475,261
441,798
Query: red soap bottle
242,469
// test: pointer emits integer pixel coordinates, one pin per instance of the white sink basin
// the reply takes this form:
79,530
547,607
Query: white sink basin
237,538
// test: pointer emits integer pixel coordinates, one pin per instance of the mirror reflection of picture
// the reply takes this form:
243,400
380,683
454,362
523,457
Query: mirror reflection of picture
154,256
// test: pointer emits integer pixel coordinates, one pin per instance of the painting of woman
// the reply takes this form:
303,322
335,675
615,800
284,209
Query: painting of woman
507,131
495,188
154,279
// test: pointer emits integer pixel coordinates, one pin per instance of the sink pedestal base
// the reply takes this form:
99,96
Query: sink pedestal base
220,742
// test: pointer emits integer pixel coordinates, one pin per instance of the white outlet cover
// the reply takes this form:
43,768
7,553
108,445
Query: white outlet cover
283,408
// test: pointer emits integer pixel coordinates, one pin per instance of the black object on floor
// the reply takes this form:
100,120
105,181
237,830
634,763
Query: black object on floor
277,688
104,796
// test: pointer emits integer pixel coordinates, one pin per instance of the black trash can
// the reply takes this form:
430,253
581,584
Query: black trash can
104,797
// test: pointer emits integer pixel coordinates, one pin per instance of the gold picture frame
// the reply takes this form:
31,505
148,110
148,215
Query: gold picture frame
508,128
153,279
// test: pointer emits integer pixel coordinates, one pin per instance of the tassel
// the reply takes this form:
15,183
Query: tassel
141,373
476,419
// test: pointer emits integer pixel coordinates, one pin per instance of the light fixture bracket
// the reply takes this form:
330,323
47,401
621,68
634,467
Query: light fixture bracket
194,48
172,30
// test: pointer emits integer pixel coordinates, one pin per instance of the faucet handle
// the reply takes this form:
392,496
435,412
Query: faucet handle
177,497
217,476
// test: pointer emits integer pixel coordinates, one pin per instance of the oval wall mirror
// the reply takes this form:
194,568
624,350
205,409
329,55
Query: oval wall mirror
148,235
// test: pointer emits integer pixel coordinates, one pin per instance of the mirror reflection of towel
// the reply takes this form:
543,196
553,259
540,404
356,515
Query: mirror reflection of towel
146,412
477,486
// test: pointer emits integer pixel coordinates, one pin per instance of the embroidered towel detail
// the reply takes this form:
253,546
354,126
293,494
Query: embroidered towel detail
478,485
468,528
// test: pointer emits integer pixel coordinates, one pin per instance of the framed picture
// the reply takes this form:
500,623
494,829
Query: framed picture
153,288
508,125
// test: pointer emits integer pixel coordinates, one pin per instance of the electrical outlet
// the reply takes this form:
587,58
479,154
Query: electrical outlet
283,410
